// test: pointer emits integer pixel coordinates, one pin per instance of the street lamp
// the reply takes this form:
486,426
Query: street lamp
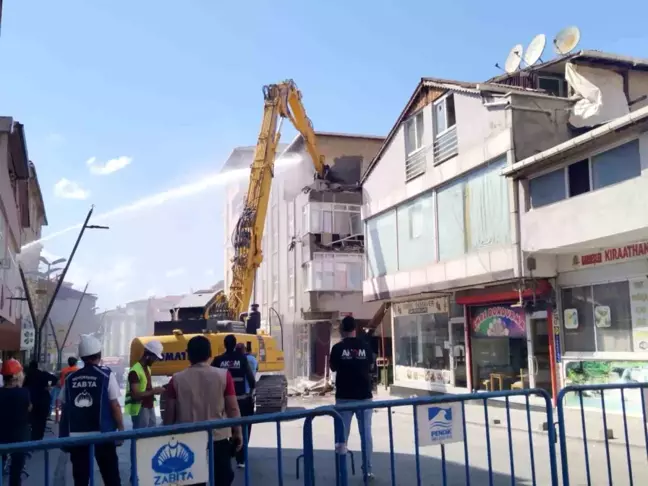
49,265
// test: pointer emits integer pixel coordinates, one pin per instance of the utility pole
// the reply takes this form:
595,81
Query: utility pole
61,279
61,346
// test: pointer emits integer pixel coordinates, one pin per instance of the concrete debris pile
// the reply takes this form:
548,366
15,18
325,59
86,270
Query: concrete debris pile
304,388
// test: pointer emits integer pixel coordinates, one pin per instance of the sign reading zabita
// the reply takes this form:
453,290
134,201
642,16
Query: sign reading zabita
173,460
609,255
439,423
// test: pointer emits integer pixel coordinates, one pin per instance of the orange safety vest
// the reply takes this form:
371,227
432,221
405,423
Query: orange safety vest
66,371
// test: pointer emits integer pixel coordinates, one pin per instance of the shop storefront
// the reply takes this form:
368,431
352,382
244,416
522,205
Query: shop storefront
511,344
428,346
604,302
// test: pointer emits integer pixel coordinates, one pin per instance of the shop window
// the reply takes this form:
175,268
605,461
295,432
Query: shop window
597,318
381,245
420,341
416,240
616,165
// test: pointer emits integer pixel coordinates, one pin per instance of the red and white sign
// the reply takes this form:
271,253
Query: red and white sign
616,254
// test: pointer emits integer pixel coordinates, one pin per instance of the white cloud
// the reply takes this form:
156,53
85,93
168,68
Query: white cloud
176,272
113,165
68,189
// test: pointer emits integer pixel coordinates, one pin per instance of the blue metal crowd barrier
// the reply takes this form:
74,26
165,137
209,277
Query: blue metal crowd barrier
95,439
501,444
586,391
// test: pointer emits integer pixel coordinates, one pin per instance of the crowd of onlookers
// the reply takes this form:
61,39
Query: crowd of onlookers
26,400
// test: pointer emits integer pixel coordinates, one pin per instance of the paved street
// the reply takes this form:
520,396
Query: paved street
264,467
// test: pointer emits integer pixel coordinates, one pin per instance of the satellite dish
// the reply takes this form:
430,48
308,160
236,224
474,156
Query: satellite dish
535,49
514,59
566,40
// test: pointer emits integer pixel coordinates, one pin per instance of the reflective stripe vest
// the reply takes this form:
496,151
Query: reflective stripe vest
132,407
237,364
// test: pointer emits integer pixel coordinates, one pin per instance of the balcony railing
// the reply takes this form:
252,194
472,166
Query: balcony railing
415,165
445,145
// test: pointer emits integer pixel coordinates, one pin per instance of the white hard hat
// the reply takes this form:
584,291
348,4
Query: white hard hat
154,347
89,345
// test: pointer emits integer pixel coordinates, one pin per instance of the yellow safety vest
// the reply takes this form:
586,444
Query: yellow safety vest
132,407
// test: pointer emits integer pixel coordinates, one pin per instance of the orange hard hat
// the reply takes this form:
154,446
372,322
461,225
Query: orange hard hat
11,367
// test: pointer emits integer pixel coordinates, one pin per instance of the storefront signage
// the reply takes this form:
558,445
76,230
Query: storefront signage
612,255
180,459
556,333
440,423
639,312
500,321
438,305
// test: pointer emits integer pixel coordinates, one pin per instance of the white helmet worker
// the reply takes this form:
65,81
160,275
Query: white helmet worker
155,348
89,346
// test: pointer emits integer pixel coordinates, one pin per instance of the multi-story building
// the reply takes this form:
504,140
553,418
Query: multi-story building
311,274
22,215
583,222
473,290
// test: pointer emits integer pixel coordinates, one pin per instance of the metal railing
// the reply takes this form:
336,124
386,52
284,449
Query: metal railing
629,456
473,439
177,431
446,145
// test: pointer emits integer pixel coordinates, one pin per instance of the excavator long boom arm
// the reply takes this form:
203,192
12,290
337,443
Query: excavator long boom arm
282,100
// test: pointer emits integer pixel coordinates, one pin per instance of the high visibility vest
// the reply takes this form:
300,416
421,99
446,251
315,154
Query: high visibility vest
133,407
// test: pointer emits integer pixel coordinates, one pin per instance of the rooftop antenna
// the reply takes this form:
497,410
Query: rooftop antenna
535,49
513,59
566,40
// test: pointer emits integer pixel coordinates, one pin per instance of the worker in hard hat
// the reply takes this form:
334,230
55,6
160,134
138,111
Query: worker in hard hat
15,407
140,393
90,405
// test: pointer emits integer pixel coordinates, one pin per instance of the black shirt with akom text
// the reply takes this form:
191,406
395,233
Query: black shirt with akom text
352,361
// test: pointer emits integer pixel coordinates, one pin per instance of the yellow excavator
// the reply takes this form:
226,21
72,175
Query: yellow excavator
217,315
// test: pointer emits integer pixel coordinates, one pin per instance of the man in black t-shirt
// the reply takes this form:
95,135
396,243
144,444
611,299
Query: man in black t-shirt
352,361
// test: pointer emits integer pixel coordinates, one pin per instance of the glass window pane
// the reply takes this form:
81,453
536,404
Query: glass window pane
419,129
341,276
354,276
615,297
315,220
421,341
487,205
416,238
356,223
410,136
450,108
440,123
616,165
381,250
327,221
450,214
581,338
342,222
547,189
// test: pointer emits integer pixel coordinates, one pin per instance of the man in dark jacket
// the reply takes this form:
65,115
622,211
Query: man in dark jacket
39,383
244,382
352,360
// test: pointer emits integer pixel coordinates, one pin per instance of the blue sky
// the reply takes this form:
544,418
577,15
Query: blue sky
172,87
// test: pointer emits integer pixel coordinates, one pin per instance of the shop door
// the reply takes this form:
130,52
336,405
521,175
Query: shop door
538,351
457,352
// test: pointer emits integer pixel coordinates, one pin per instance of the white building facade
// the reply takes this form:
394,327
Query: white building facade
312,246
473,275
